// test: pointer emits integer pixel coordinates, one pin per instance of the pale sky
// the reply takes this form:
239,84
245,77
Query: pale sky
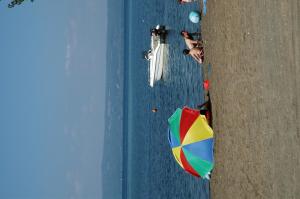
52,84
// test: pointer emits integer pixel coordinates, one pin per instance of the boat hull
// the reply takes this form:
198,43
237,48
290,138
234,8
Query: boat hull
157,63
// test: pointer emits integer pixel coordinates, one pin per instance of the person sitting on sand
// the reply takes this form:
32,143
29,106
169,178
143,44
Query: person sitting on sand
186,1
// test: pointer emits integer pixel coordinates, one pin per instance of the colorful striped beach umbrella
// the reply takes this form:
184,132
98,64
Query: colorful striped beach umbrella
191,139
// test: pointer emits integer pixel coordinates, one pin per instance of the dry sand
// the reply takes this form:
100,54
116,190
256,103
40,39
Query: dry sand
255,88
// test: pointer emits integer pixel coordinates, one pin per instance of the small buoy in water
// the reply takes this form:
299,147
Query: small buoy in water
206,84
194,16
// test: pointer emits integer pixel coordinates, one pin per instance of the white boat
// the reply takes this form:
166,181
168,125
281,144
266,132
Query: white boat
157,54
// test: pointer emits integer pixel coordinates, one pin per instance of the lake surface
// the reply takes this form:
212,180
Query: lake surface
138,162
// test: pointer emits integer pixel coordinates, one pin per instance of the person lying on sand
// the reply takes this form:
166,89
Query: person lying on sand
186,1
206,109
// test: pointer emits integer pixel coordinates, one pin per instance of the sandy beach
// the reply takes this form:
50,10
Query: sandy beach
253,47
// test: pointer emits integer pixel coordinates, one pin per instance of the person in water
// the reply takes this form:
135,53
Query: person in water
190,41
154,110
186,1
195,47
197,53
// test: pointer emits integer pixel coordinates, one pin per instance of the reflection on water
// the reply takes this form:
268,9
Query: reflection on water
166,62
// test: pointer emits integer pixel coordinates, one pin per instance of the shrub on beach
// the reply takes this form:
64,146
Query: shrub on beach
15,2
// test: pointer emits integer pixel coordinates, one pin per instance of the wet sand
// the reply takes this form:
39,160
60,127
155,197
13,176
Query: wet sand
254,50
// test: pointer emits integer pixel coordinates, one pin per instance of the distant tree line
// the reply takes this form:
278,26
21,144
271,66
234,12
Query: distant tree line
16,2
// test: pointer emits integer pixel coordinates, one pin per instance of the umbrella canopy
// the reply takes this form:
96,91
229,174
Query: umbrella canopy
191,139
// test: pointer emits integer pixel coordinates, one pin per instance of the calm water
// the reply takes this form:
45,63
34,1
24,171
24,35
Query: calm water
140,164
